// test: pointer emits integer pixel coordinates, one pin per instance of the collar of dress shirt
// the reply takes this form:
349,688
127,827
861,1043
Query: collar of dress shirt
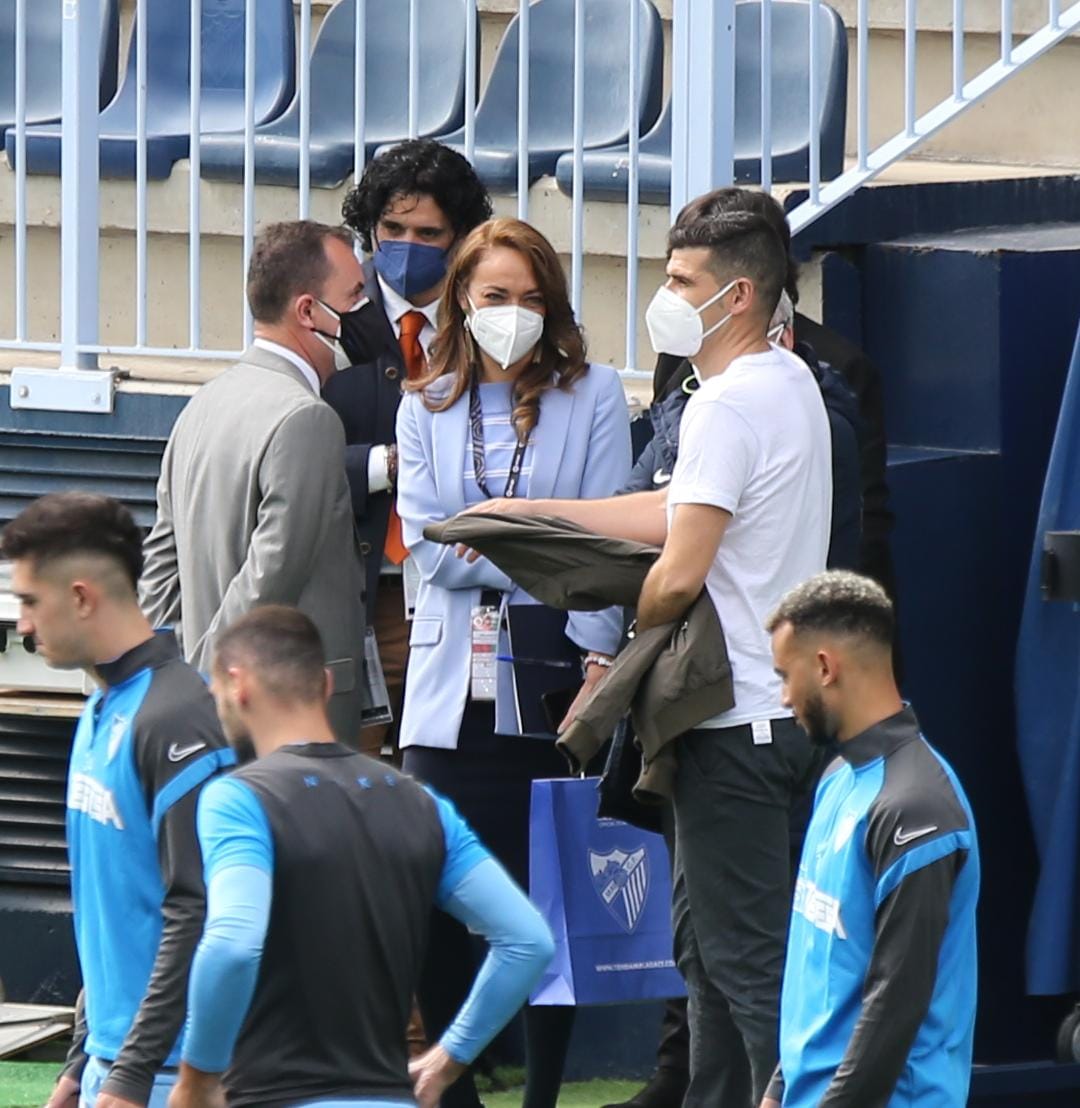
395,305
305,368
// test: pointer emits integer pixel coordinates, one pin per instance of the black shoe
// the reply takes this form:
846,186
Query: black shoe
666,1089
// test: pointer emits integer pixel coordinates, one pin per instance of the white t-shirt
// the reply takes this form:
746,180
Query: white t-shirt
755,442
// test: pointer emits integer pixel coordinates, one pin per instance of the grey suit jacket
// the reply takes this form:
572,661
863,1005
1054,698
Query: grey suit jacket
254,508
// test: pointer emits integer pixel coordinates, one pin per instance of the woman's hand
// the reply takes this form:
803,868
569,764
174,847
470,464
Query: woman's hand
594,674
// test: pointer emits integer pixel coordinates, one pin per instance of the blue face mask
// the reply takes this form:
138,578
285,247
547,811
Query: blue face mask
410,268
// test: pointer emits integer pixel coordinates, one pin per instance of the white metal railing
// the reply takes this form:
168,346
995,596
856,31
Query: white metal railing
704,58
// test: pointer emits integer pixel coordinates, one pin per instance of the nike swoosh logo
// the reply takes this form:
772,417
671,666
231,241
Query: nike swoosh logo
660,477
177,753
902,837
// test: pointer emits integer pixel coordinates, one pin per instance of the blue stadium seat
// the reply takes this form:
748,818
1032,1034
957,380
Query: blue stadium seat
168,85
441,94
44,24
606,171
551,87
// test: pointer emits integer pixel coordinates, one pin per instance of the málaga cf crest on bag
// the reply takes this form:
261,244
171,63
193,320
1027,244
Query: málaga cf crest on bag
622,882
604,888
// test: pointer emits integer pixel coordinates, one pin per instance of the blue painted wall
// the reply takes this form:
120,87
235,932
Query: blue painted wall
973,334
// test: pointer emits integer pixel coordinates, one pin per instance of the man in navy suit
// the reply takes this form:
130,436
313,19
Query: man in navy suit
412,207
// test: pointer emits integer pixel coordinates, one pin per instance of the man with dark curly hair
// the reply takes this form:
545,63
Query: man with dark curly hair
413,205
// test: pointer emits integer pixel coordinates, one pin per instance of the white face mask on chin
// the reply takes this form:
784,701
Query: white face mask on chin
674,324
333,342
505,332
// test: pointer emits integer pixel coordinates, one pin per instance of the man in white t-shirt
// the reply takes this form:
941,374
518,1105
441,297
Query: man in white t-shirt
746,515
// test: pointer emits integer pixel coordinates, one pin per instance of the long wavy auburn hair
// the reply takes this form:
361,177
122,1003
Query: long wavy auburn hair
560,357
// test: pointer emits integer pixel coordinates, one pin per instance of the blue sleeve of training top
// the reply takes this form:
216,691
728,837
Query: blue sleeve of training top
233,828
464,850
238,853
489,903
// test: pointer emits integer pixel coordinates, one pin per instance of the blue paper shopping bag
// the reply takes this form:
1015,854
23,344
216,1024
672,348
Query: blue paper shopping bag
605,889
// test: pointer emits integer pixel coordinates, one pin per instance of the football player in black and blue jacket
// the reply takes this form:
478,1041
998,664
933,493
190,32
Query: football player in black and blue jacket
147,741
878,1001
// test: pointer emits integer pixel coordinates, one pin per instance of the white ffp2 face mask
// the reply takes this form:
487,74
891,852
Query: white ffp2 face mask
505,332
674,324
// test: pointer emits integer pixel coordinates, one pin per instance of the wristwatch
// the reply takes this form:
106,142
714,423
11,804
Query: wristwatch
392,466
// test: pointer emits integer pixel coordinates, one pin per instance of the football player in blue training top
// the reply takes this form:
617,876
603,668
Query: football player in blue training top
878,1002
322,869
147,741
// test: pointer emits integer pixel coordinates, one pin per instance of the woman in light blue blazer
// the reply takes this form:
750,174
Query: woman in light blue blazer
510,407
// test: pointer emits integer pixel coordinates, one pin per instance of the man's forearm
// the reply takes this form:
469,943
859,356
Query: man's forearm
160,1017
75,1062
225,969
665,597
900,982
638,517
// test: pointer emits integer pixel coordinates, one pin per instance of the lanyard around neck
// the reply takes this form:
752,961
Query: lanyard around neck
476,427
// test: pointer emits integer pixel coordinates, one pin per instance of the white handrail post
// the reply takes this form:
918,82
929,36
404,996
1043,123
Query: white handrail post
863,84
194,195
958,49
911,32
142,246
766,95
524,40
702,98
20,172
249,157
633,66
577,203
79,171
470,78
359,88
303,207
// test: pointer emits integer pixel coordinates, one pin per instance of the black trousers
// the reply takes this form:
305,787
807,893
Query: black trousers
733,803
489,778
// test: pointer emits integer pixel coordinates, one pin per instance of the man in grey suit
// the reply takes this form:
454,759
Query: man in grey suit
253,503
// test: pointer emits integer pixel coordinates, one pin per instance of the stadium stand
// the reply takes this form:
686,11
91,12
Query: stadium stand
168,94
43,31
551,88
606,170
440,95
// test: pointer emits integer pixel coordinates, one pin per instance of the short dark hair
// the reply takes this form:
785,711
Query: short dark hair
289,259
741,243
71,523
754,200
838,602
419,167
283,646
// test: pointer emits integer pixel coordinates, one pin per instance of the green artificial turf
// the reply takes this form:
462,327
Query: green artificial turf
588,1094
28,1084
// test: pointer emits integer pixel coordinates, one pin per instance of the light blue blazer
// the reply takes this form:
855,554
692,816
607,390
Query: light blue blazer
581,450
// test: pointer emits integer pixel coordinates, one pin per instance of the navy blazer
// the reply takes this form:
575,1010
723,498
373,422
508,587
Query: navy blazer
581,449
366,398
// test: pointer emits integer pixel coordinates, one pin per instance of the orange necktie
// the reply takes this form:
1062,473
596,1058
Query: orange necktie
412,323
